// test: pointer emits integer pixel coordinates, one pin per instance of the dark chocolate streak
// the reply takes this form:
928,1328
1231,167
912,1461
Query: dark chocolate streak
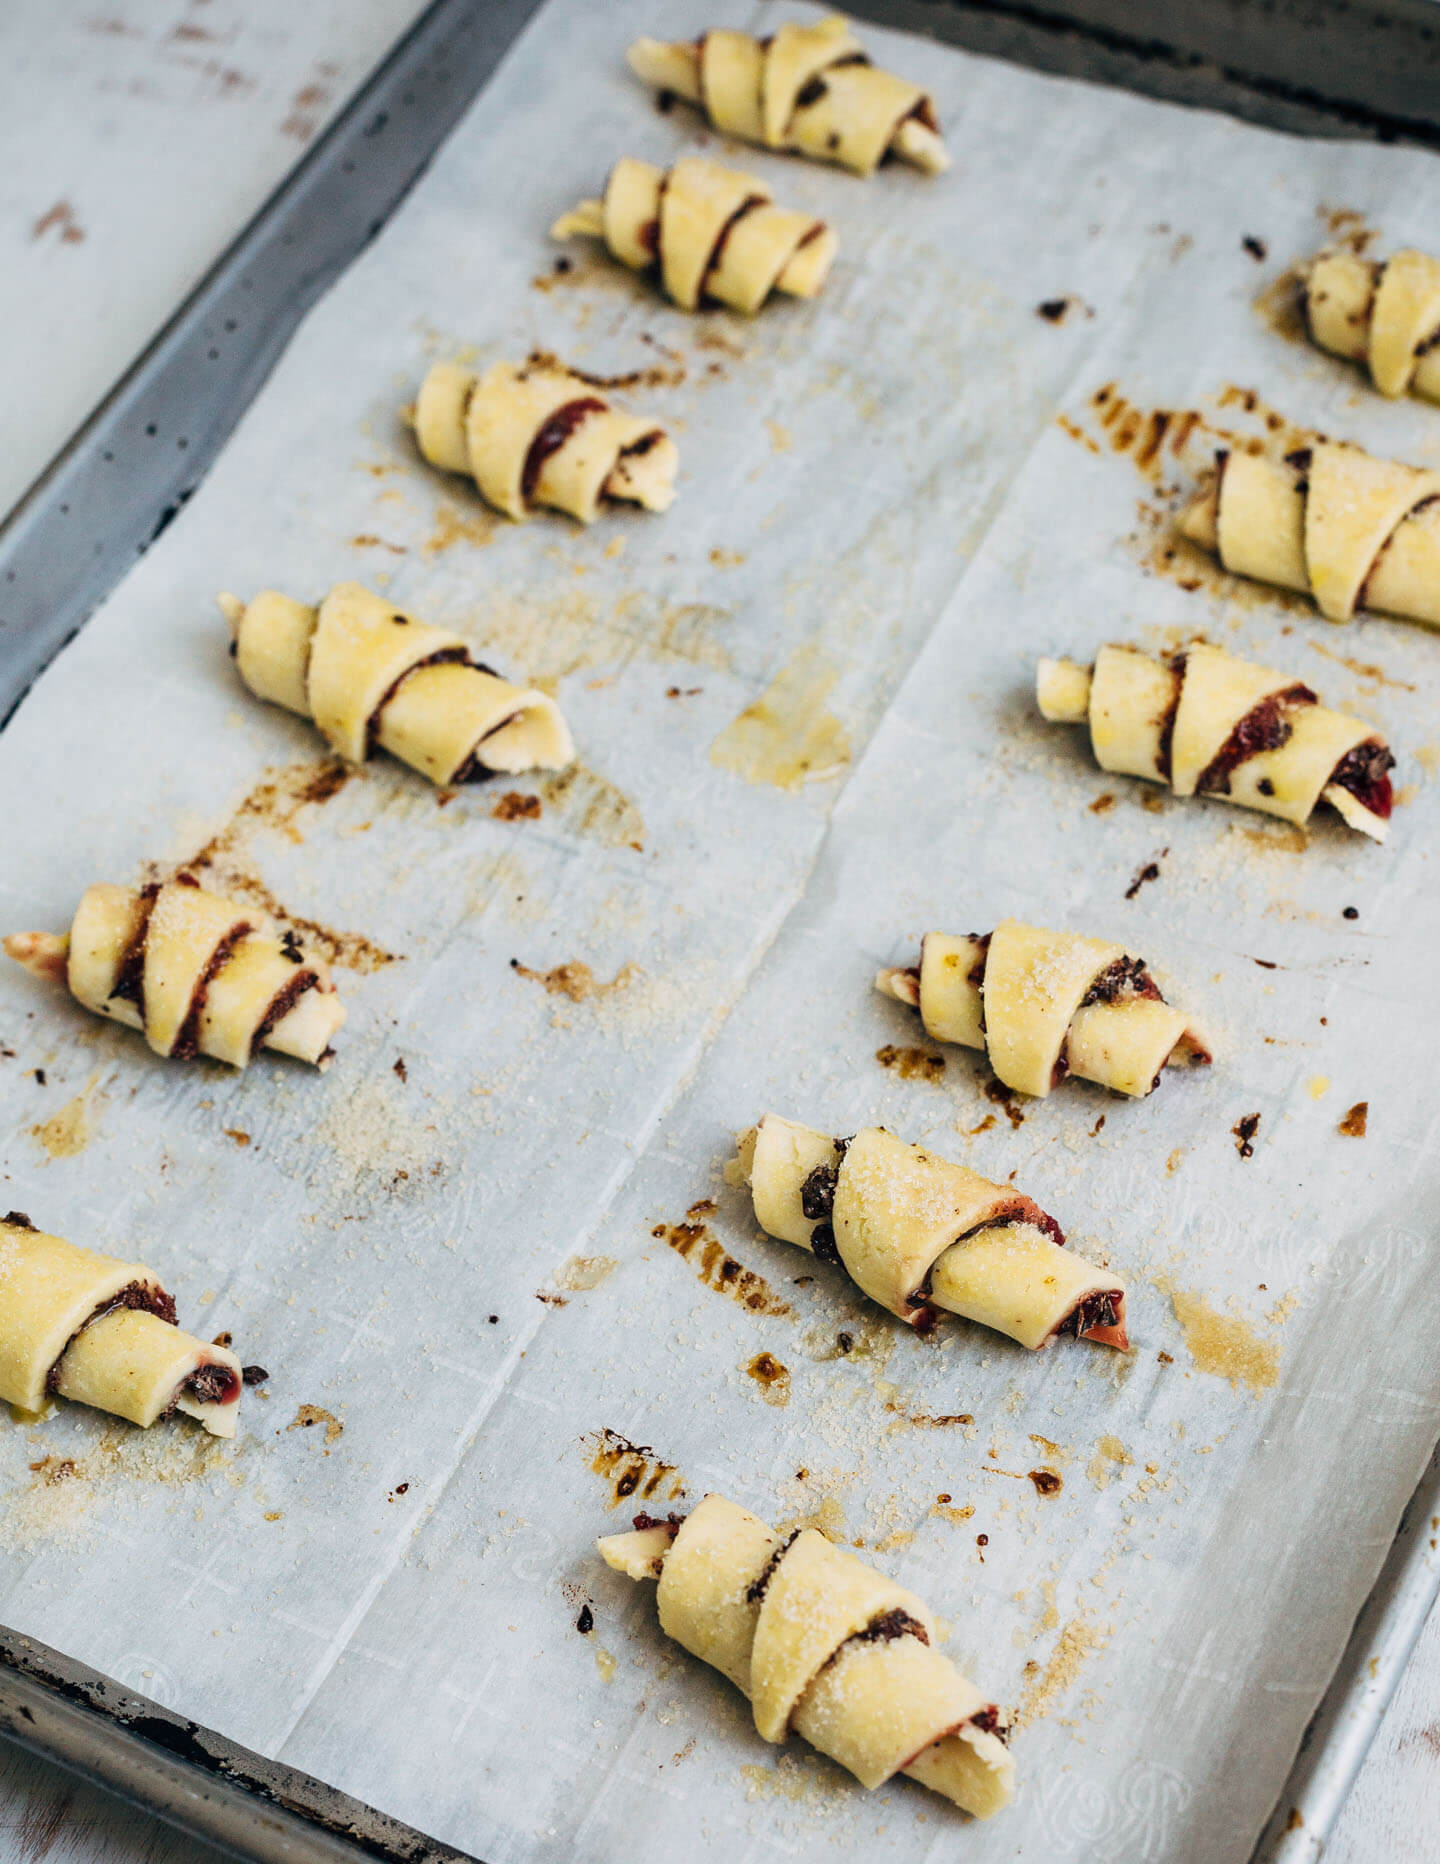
136,1295
1263,728
445,656
130,976
757,1588
1365,772
187,1040
282,1003
552,436
717,251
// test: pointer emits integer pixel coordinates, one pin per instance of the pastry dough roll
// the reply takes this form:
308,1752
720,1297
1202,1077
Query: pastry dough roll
809,89
919,1234
102,1332
368,673
1047,1004
1330,521
538,434
1209,724
135,1365
1384,314
199,975
824,1645
711,231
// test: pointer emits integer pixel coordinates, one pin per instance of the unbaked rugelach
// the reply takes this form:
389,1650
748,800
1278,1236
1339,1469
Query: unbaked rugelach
920,1235
806,89
823,1645
1384,313
1209,724
197,974
1330,521
535,433
1044,1005
711,234
367,673
79,1325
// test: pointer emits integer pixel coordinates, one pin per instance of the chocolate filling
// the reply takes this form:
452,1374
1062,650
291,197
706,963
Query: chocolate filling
136,1295
717,251
552,436
643,445
757,1588
1121,981
811,93
1096,1310
187,1042
1263,728
130,974
283,1001
886,1628
253,1375
817,1194
446,656
642,1521
1365,772
211,1384
988,1721
822,1243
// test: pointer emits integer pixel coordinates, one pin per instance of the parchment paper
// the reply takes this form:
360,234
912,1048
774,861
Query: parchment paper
472,1269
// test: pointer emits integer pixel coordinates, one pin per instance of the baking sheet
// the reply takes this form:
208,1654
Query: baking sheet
881,524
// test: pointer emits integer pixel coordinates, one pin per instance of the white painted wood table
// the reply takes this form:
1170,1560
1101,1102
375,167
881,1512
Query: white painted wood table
136,139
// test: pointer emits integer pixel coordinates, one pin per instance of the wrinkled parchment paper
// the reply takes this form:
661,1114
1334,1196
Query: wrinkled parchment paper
465,1252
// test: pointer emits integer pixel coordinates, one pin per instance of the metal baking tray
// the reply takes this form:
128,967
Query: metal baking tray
1337,68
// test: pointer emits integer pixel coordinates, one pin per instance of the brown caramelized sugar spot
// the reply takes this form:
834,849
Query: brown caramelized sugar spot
715,1266
576,980
309,1415
1103,803
53,1470
1003,1097
911,1064
1244,1130
633,1469
513,806
771,1376
929,1420
1046,1481
275,803
1356,1121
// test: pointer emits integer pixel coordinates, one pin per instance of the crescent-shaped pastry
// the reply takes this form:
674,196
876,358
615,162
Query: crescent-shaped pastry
1385,314
199,975
102,1332
713,233
919,1234
369,674
823,1645
1330,521
537,434
1047,1004
1208,724
809,89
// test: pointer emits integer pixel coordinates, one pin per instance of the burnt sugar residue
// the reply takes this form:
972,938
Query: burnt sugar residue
1004,1097
771,1376
575,979
515,806
1047,1481
669,374
275,804
911,1064
1144,875
309,1415
1243,1133
1356,1122
590,805
633,1470
713,1264
929,1420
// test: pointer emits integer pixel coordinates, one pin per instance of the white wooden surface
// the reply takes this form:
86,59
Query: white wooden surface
136,138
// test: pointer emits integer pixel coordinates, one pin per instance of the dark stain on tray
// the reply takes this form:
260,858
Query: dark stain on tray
1144,875
997,1091
1245,1129
1356,1122
1047,1481
713,1264
515,806
633,1469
